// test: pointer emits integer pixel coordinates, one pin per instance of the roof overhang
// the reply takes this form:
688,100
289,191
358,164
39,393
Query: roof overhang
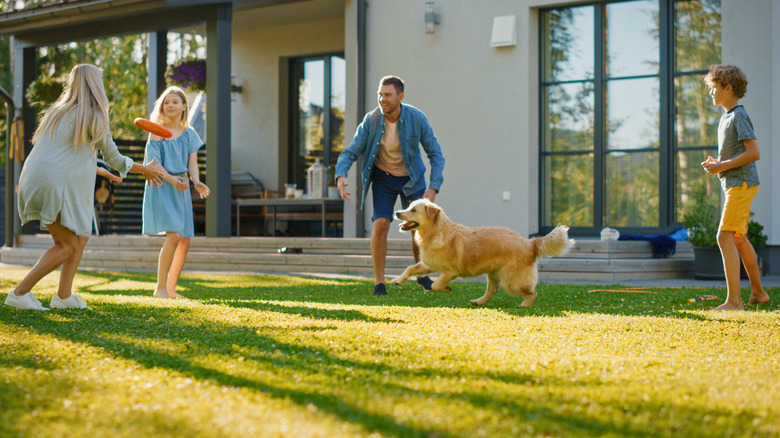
89,19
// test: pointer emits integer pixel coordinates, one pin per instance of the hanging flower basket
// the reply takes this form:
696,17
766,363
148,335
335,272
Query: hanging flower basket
189,74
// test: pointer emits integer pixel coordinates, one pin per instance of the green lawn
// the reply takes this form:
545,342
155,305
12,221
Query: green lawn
287,356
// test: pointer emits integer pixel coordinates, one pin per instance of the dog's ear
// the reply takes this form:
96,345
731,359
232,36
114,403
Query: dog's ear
433,212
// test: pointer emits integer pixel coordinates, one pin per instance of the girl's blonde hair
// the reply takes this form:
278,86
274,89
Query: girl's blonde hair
85,99
158,115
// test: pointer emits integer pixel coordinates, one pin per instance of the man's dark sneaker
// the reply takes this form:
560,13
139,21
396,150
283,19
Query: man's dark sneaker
425,282
379,289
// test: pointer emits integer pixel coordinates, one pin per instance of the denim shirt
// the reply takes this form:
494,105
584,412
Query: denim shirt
413,130
734,127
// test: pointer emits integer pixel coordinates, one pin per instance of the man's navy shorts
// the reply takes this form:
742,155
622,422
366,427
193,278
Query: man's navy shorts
386,188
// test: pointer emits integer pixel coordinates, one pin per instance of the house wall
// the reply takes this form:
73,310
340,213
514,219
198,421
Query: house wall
480,101
483,104
757,53
258,60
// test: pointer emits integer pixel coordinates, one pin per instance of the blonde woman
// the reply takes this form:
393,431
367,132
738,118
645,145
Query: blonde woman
57,183
168,208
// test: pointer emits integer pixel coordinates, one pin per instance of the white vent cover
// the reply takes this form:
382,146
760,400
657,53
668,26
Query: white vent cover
504,32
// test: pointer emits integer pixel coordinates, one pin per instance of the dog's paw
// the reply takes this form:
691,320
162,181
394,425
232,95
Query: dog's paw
441,288
398,280
475,303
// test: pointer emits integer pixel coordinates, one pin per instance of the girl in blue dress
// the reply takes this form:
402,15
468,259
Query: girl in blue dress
168,208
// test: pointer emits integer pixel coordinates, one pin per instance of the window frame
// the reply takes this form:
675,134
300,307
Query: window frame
294,121
668,149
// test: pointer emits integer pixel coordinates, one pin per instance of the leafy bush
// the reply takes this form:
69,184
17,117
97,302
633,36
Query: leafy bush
701,219
756,234
45,90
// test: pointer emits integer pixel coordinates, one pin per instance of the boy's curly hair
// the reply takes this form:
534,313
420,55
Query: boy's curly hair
728,75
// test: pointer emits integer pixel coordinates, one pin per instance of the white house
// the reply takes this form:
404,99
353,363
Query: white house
589,113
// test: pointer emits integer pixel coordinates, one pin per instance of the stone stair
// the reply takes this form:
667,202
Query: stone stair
588,260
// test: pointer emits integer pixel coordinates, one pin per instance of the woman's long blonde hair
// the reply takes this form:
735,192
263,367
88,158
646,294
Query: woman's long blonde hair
85,99
158,115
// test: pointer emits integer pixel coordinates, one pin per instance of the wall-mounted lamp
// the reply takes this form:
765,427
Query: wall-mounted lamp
431,18
235,88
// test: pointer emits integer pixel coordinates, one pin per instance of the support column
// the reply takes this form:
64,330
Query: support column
362,41
10,108
24,73
218,121
158,62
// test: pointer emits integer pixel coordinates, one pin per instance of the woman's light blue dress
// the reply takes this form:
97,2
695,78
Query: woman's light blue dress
166,209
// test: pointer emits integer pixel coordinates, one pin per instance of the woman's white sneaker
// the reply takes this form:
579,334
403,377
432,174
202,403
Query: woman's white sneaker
72,302
26,301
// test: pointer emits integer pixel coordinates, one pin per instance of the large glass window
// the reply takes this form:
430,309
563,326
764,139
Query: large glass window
317,113
625,122
568,115
697,46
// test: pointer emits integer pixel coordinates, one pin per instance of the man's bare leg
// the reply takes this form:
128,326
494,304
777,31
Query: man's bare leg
379,248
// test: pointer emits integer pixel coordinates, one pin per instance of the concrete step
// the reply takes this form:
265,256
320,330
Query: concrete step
588,260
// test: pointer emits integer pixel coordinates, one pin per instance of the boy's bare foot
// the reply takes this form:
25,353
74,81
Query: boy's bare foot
175,295
729,306
760,297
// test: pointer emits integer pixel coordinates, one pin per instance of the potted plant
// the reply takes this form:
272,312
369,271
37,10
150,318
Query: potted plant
701,219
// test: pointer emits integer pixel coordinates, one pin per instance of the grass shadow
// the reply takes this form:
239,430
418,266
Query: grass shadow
154,322
302,311
264,349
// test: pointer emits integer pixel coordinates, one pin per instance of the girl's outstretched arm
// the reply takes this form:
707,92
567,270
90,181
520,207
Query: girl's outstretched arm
152,172
108,175
192,166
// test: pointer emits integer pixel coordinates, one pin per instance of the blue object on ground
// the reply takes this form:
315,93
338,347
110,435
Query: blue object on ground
680,235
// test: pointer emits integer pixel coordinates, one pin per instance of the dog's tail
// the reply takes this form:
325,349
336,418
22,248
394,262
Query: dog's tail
556,243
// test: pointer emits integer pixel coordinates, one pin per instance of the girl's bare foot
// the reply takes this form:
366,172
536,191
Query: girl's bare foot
758,297
729,306
175,295
161,294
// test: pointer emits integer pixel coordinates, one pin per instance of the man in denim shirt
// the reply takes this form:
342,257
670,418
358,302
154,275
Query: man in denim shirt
388,139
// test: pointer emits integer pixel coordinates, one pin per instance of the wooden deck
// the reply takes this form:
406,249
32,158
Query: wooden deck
588,260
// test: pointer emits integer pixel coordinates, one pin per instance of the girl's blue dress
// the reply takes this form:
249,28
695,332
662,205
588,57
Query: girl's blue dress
166,208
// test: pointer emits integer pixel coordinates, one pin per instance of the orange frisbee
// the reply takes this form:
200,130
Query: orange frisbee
154,128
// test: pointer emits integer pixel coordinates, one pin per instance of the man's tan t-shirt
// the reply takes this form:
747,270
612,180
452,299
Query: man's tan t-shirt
389,157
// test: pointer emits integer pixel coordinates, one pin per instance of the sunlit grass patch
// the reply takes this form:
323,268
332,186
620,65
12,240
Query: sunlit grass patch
291,356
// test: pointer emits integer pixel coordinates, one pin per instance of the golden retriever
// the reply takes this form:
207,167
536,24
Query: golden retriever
455,250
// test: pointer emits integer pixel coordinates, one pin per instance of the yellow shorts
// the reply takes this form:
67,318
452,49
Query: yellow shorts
736,210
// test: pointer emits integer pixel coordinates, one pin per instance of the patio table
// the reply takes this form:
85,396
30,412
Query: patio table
324,204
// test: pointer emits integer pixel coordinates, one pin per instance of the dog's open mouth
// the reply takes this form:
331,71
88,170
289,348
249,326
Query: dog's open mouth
409,225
